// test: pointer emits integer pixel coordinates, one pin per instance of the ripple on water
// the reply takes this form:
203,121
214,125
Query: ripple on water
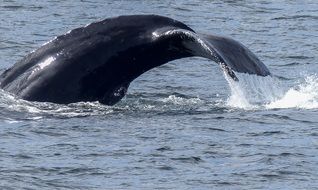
181,126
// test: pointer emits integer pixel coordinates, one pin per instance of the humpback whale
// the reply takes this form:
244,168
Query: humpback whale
99,61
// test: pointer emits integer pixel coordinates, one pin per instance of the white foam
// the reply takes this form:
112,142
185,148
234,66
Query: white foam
181,101
303,96
254,92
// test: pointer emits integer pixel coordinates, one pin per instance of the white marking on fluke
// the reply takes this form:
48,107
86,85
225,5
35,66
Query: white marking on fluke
204,44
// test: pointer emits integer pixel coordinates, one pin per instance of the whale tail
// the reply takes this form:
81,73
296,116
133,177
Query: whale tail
236,56
99,61
229,54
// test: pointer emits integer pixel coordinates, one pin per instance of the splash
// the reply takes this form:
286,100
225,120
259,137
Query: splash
303,96
254,92
249,93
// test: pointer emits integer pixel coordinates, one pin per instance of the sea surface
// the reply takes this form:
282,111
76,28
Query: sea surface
183,125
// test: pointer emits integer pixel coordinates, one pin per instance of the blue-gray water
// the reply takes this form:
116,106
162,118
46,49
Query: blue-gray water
181,126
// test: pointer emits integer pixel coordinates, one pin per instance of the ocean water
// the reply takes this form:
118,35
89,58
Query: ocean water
183,125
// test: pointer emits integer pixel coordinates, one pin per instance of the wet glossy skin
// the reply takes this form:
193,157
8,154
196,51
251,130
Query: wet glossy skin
98,62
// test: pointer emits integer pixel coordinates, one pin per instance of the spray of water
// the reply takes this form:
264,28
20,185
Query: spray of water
254,92
304,95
